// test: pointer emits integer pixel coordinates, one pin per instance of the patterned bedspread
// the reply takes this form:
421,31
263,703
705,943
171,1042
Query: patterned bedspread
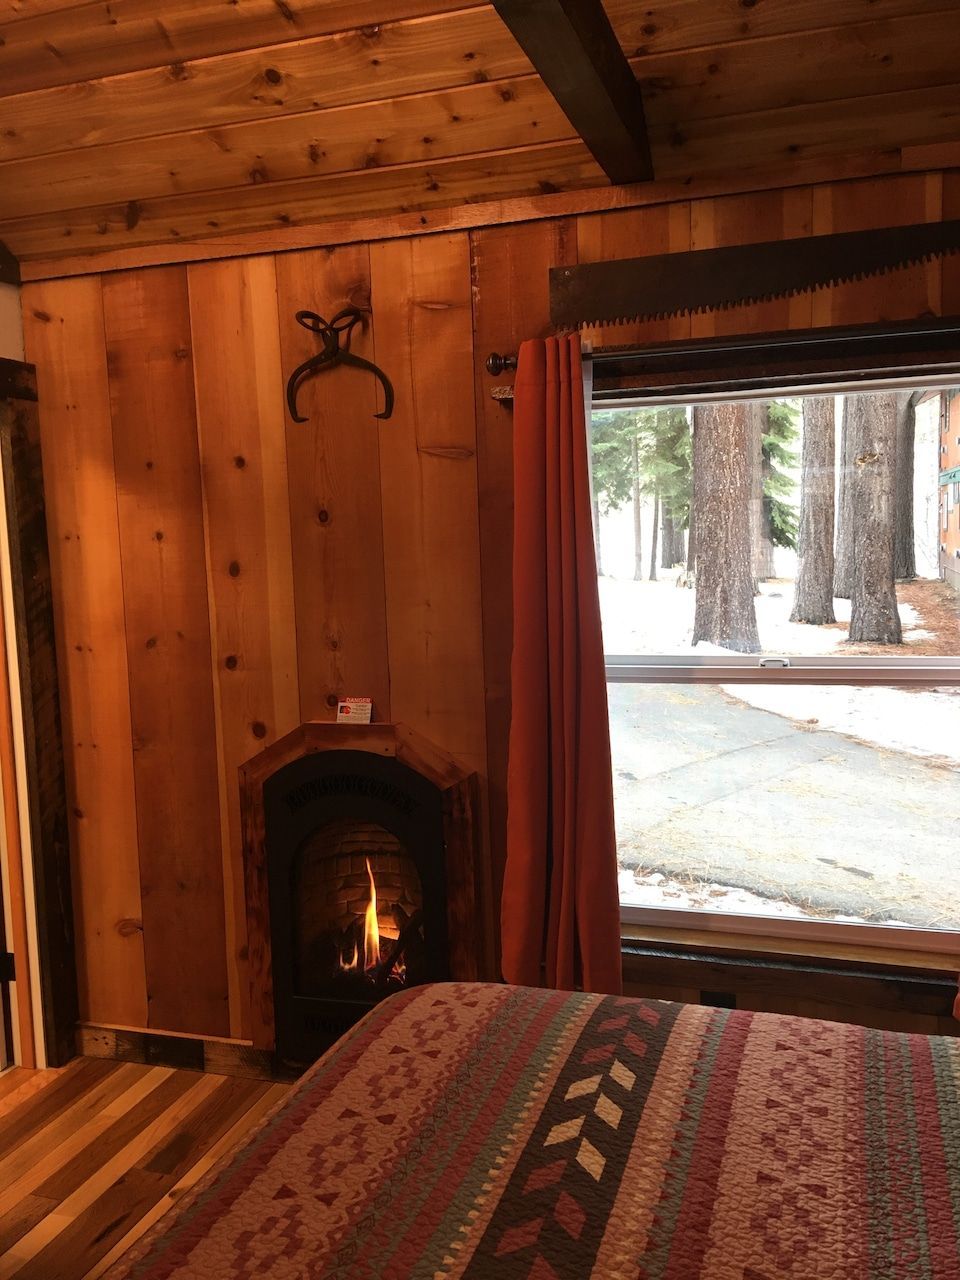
498,1132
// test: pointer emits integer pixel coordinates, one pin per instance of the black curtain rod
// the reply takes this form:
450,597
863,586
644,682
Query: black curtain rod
742,362
931,334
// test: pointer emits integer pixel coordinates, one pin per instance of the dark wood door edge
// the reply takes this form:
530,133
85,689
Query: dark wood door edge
40,699
17,381
9,266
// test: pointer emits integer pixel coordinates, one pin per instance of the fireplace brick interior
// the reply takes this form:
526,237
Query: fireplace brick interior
331,894
332,887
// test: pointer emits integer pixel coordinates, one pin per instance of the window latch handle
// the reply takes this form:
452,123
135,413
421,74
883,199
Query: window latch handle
774,662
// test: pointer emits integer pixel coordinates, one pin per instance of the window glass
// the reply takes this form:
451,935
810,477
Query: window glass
793,802
813,526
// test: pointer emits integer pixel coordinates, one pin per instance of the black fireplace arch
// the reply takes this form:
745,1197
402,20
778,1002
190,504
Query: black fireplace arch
369,792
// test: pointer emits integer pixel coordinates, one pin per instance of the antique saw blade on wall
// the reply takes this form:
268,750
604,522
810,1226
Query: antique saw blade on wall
671,284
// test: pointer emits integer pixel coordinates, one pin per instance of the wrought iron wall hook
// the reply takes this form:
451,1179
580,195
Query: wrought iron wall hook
336,334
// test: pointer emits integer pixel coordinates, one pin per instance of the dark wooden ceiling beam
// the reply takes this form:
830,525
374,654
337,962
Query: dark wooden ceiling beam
577,55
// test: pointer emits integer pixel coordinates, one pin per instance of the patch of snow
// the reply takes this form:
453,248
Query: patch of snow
642,889
920,722
657,618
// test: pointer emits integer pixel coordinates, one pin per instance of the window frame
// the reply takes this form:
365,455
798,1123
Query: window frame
868,358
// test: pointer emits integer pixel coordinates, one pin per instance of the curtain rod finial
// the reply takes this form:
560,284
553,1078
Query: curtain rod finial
497,363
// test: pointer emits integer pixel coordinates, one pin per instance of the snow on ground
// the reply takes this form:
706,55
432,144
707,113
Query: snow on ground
921,722
651,889
657,618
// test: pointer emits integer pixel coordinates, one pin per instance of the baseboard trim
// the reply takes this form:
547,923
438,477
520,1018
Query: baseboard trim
192,1053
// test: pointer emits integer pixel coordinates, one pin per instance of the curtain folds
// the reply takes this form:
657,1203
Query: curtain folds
560,911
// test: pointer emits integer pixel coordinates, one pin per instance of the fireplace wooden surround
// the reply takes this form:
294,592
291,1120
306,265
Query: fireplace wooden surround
361,874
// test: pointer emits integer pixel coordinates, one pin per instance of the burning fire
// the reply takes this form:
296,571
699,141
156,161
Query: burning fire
372,956
371,927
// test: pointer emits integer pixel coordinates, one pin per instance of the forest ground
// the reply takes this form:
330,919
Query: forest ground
806,800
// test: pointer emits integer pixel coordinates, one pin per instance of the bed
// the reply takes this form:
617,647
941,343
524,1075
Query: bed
483,1131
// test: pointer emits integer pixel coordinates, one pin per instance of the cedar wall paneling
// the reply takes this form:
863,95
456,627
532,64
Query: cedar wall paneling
334,472
68,346
167,625
299,562
236,354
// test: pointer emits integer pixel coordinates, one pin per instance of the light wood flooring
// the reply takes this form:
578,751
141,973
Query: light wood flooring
92,1154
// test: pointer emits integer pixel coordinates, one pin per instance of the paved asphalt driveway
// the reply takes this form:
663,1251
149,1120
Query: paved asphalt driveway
710,789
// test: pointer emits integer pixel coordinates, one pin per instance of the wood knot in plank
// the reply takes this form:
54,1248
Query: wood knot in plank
457,454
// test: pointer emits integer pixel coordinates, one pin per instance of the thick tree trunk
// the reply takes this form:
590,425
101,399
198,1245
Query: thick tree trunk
653,536
637,514
904,555
872,426
813,601
596,535
843,563
723,444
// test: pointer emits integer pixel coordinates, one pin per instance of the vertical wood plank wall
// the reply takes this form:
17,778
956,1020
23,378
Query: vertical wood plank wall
222,572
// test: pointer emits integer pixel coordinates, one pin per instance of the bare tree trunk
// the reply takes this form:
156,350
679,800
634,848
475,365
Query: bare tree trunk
756,412
813,601
672,534
667,536
695,497
843,564
667,539
637,514
766,566
653,536
723,443
872,424
596,535
904,555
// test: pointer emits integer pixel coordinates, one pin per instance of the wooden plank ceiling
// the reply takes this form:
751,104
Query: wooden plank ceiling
126,122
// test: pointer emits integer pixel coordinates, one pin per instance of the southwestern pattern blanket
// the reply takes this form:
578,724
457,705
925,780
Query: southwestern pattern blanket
471,1131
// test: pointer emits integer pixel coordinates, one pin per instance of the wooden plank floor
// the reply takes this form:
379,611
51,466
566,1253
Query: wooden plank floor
92,1154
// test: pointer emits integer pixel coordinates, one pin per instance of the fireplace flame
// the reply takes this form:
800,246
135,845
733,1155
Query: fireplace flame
369,963
371,927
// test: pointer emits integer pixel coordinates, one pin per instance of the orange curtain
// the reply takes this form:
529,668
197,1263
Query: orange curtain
560,912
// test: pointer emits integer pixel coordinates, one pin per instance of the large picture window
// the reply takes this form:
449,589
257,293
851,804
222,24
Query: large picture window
779,578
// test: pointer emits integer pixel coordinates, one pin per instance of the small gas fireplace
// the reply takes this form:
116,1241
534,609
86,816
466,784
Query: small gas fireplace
361,878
